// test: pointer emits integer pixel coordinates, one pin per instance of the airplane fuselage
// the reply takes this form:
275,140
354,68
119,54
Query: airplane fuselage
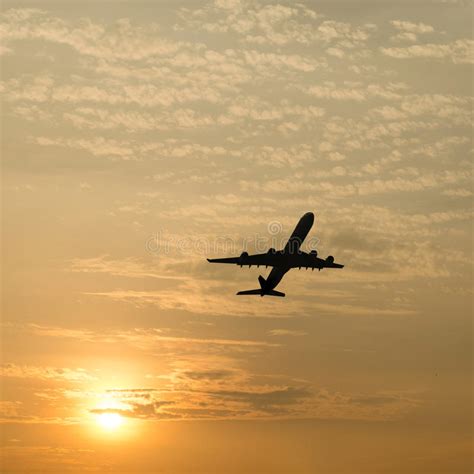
299,260
299,234
274,278
290,256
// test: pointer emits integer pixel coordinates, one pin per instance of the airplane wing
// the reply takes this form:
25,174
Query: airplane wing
270,259
333,265
267,259
325,263
316,263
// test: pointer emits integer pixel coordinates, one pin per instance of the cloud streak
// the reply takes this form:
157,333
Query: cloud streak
459,51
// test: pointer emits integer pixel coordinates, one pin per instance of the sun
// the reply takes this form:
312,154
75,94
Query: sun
110,420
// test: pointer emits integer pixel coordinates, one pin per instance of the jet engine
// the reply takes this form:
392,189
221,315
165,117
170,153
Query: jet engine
314,253
243,257
330,259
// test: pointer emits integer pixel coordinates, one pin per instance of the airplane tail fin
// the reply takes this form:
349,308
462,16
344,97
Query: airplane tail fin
261,291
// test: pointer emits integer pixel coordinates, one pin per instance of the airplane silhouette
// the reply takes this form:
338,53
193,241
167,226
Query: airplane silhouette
282,260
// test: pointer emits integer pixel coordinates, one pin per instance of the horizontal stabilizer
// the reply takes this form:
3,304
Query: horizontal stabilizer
259,292
251,292
275,293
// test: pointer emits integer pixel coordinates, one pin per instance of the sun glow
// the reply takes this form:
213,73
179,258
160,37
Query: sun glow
110,421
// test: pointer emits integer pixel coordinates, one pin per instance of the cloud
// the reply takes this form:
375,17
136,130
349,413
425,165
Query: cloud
214,306
361,188
337,52
252,401
207,375
261,60
272,402
382,405
9,410
277,25
438,105
405,36
143,338
388,113
50,457
202,386
294,156
287,332
33,112
358,93
412,28
97,146
129,267
120,41
409,31
458,192
195,300
238,394
146,410
45,373
224,404
459,51
330,30
5,50
252,109
258,24
92,112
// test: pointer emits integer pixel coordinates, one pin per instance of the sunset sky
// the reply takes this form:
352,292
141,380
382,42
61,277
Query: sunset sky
140,138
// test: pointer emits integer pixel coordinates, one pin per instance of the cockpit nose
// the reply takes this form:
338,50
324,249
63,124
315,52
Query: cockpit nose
309,217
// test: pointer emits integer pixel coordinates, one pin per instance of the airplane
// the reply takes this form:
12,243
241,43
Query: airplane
282,260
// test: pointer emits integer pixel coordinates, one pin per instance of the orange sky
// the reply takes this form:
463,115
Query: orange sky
138,139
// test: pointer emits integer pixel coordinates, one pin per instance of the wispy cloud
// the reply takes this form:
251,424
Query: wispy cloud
409,31
130,267
41,372
287,332
119,41
260,402
145,338
459,51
